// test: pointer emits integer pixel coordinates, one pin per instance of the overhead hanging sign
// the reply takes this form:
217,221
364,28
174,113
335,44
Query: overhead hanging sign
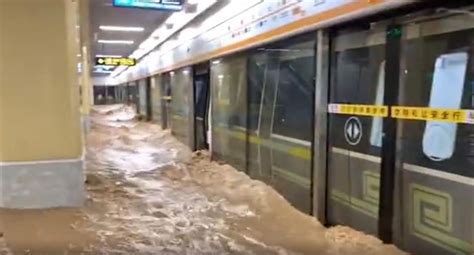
115,61
165,5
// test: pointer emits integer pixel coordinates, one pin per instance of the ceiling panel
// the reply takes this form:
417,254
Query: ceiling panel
102,12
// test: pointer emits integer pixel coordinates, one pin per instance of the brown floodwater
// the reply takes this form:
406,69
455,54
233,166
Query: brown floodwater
148,194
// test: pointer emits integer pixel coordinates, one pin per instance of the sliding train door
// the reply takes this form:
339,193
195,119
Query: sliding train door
182,107
156,99
144,90
435,163
356,109
229,110
201,98
281,102
132,92
142,98
166,100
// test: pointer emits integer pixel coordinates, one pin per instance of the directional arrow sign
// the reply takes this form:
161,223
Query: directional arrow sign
353,130
109,61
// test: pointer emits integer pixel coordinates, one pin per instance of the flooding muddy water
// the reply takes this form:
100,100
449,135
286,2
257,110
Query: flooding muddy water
148,194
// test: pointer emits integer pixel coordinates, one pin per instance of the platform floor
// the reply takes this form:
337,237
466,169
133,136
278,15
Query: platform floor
148,194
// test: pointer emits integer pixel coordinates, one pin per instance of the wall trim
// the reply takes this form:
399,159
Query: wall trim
13,163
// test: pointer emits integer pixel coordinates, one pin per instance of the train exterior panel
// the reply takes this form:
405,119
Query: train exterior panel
156,100
182,106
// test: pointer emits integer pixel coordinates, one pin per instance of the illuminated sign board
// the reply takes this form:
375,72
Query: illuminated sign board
115,61
166,5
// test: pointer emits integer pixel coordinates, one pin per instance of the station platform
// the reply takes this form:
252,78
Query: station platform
147,193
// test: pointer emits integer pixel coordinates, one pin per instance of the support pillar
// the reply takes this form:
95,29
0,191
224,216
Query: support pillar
40,135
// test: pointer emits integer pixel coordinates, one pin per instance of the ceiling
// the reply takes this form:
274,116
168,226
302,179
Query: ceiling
103,13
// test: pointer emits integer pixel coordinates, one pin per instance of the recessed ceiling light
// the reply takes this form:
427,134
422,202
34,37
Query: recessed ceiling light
107,56
115,42
122,29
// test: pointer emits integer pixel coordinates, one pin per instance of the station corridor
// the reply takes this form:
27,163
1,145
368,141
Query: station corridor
149,194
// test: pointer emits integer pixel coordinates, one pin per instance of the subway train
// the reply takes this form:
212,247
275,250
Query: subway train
365,120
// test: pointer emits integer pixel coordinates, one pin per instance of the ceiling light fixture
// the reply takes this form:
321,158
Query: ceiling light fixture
115,42
171,26
122,29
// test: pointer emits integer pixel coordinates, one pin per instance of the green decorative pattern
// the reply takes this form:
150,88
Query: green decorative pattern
369,204
432,219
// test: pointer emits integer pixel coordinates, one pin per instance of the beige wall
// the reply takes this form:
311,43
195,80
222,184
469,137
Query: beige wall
39,106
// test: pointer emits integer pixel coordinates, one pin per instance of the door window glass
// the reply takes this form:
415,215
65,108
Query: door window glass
435,159
257,72
293,109
355,141
438,72
200,93
358,78
180,88
229,78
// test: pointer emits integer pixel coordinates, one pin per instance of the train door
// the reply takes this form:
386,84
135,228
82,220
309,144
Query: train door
292,122
149,105
166,100
182,107
229,110
155,97
133,97
201,98
262,75
435,163
281,103
355,128
142,98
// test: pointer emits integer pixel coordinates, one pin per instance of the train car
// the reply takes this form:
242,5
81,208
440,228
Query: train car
360,113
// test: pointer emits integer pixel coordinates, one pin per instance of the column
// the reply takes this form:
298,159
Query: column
40,132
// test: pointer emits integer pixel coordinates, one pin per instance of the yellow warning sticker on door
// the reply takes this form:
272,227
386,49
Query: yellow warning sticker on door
432,114
359,110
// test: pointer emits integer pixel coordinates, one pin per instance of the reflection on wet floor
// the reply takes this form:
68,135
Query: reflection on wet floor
148,194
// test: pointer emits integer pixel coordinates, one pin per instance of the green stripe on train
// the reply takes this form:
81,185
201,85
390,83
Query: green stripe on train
295,151
292,177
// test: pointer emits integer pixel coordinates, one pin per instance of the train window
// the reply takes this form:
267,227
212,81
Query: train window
358,77
377,122
181,83
293,108
437,73
435,158
229,77
439,138
200,95
256,86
